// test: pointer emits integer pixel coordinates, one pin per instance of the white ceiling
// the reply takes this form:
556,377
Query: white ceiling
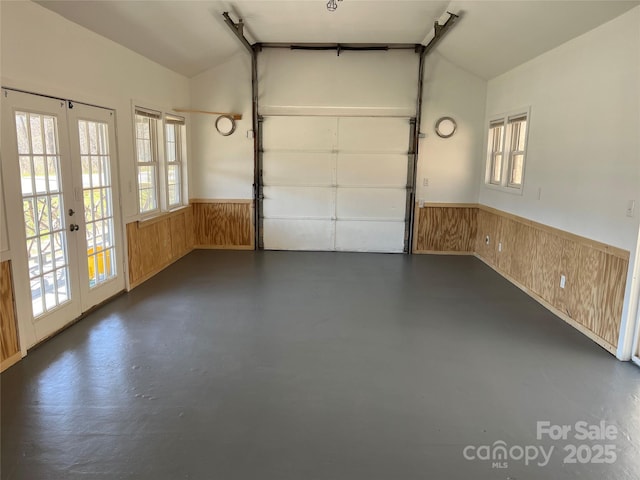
190,37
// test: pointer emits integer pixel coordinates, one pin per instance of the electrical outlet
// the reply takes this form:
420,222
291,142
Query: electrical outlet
425,182
631,208
563,281
250,134
499,246
421,203
487,240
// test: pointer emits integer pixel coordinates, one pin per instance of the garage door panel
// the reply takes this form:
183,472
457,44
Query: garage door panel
299,133
280,234
385,237
372,169
299,202
373,134
298,168
335,183
371,203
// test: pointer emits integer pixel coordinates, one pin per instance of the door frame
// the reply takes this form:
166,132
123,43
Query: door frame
16,251
413,140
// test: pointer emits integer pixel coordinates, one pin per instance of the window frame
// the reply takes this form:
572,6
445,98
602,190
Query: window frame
179,124
493,153
507,152
158,140
154,117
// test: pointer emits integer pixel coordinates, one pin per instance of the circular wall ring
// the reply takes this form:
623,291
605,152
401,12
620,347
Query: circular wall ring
225,125
446,127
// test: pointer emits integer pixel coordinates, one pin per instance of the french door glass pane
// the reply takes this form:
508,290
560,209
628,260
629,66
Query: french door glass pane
43,208
98,204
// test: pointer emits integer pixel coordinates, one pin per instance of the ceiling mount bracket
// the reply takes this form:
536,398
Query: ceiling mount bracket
238,31
439,31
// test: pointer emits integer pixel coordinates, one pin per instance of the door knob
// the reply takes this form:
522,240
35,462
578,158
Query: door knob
73,227
71,212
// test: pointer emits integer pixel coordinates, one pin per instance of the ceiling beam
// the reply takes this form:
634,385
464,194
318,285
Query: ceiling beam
238,31
440,31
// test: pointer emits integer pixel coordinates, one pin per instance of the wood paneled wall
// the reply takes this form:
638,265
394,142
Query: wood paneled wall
9,343
445,229
534,256
155,244
223,224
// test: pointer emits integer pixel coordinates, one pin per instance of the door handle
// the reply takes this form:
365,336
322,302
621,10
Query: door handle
73,227
71,212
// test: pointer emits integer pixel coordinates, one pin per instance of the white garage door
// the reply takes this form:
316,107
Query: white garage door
335,183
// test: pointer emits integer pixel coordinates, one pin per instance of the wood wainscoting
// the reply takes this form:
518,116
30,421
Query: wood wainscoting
223,224
10,345
445,228
534,256
155,244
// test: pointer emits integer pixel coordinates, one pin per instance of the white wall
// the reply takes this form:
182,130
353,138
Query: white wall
583,149
222,167
451,165
44,53
584,141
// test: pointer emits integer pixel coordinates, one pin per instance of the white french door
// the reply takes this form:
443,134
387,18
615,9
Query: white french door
64,229
93,147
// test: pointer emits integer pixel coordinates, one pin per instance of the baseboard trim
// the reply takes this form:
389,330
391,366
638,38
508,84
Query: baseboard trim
585,331
11,361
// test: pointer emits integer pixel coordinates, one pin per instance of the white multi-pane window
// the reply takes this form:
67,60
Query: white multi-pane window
160,161
146,131
506,151
174,136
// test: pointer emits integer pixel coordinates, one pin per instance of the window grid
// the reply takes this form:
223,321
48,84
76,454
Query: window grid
160,160
518,128
97,197
173,133
40,183
147,163
496,141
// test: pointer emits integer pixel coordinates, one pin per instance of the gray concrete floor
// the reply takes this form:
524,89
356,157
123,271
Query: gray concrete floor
303,366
